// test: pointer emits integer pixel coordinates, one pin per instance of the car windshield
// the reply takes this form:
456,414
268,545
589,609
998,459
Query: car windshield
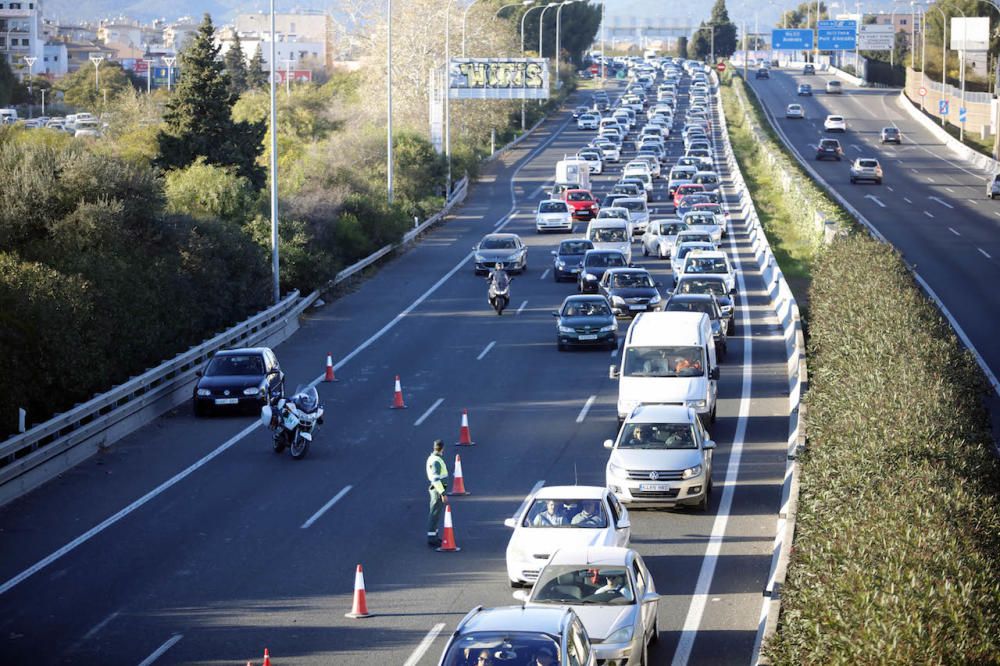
677,305
552,207
581,584
633,205
663,362
670,228
657,436
567,513
586,309
702,286
235,365
605,259
891,130
608,235
630,280
693,237
836,119
501,648
829,143
692,199
700,219
625,188
575,247
706,265
498,244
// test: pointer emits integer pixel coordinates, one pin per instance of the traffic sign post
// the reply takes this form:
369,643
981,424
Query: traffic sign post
943,107
961,115
837,35
791,40
922,92
721,66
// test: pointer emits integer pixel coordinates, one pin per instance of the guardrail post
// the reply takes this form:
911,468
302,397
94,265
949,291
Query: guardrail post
21,417
416,221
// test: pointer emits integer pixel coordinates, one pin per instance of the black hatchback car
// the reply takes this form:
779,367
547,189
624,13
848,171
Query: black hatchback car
829,148
630,291
595,263
586,320
569,257
238,378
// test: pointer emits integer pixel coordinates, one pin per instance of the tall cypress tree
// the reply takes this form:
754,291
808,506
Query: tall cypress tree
725,30
236,67
256,76
198,120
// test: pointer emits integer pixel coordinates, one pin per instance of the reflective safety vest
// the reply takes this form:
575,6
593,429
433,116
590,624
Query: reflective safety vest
437,472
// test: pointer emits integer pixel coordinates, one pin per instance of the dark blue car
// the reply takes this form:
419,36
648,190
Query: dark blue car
586,320
238,378
569,257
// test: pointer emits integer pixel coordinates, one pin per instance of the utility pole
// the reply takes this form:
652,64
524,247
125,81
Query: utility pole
276,283
149,74
388,94
170,60
30,60
97,59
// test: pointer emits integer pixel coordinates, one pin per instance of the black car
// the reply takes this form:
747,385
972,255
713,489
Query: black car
809,68
569,258
762,73
829,148
630,291
710,284
586,320
238,378
628,190
707,303
595,263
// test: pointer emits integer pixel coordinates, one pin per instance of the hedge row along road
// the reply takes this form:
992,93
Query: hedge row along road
214,564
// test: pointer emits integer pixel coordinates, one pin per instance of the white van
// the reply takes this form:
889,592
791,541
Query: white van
668,358
8,116
611,234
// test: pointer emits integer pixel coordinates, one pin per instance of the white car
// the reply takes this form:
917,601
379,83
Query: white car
545,523
553,214
587,121
681,250
709,262
710,223
658,240
794,111
835,124
610,150
594,159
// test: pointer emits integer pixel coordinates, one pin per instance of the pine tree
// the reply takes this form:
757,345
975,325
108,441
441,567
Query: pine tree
236,67
682,47
256,76
725,30
198,120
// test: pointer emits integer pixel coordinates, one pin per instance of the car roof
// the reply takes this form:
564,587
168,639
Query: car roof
636,271
511,235
599,555
686,277
692,297
663,329
551,201
573,492
531,619
242,350
605,250
656,413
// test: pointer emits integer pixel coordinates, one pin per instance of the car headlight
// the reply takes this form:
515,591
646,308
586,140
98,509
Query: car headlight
617,300
589,276
565,329
512,257
616,470
654,300
560,264
697,404
727,309
253,390
479,258
204,392
609,328
623,635
691,472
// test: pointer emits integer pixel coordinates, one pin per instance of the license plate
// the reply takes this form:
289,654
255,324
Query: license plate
576,270
588,337
654,487
227,401
637,307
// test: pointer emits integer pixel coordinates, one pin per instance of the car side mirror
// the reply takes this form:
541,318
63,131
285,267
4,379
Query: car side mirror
521,595
510,522
613,372
714,373
708,444
553,253
624,523
650,597
616,311
609,444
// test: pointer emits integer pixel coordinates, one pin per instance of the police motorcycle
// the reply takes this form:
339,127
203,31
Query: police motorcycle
499,291
293,420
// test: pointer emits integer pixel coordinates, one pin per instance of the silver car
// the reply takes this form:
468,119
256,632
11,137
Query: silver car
506,249
866,168
659,237
611,590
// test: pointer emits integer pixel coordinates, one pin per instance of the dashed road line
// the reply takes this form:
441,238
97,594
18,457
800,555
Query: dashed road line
984,253
160,651
949,189
907,200
875,199
586,408
430,410
425,645
544,275
941,201
521,309
326,507
486,351
953,231
928,213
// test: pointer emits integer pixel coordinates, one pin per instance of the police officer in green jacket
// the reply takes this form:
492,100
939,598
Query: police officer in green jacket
437,475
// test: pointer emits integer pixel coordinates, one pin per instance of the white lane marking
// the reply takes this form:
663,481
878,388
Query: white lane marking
929,179
486,351
949,189
941,201
159,652
997,213
544,275
856,148
984,253
700,597
889,188
914,171
504,220
586,408
100,625
875,199
928,213
430,410
974,202
521,309
108,522
953,231
425,645
326,507
907,200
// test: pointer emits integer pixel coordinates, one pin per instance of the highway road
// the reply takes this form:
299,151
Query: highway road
190,542
931,205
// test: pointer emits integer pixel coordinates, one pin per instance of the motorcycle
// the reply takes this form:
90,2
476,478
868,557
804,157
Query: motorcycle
499,292
293,421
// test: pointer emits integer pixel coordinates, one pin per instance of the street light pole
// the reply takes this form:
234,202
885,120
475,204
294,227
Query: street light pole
149,74
465,18
275,282
961,72
447,93
541,27
170,60
31,92
604,55
97,71
558,12
388,95
944,52
524,16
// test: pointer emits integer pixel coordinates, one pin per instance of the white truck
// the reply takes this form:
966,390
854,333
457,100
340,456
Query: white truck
8,116
573,172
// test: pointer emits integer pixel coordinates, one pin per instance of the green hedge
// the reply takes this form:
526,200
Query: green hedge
896,557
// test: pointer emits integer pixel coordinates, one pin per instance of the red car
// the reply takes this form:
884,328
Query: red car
582,203
685,190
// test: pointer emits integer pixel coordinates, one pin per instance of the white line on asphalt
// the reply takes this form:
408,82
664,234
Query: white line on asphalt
326,507
485,351
974,202
856,148
997,213
544,274
953,231
586,408
430,410
521,309
928,213
907,200
889,188
875,199
929,179
100,625
941,201
949,189
424,645
172,641
914,171
984,253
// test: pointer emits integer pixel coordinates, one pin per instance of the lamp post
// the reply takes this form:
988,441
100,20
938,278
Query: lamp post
711,28
273,121
447,95
524,16
97,59
388,96
604,55
149,74
30,60
465,18
944,50
523,3
558,12
541,27
43,101
170,60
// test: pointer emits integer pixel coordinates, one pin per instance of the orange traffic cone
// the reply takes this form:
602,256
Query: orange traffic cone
360,608
448,540
397,399
328,377
267,658
464,435
458,487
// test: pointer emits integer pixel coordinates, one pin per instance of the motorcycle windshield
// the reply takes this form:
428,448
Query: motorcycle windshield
500,282
306,399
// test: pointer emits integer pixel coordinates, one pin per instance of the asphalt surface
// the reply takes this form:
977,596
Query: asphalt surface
220,564
931,205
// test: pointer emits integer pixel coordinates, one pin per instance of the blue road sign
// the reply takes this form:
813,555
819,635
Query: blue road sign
943,107
961,115
837,35
792,40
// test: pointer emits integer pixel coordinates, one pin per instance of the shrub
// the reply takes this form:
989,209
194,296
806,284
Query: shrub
207,191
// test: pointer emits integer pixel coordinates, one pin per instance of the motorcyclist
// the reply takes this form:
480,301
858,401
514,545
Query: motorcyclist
498,279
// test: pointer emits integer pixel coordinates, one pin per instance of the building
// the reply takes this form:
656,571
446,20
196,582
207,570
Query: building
120,30
176,34
904,22
312,33
78,54
55,62
21,34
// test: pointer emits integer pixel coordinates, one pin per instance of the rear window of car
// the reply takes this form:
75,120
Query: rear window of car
552,207
580,196
575,246
633,205
829,143
868,164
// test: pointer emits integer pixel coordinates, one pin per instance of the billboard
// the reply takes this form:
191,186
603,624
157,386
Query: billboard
837,35
296,76
498,78
970,34
792,40
875,37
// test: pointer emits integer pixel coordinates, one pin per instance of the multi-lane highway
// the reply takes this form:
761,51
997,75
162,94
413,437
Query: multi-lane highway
191,542
931,205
